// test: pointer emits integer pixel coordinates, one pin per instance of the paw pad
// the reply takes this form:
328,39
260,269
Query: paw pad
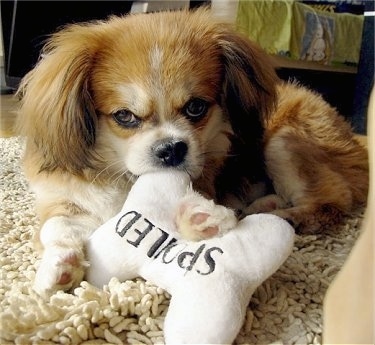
71,261
199,218
60,269
65,278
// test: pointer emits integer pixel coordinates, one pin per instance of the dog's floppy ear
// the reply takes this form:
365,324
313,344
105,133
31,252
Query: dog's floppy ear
248,96
56,111
249,84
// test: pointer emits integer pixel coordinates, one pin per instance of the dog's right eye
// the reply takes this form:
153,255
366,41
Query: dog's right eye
126,118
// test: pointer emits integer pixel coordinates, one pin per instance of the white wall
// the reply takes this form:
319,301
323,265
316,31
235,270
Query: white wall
225,9
158,5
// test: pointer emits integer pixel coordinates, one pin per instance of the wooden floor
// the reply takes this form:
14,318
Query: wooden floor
8,115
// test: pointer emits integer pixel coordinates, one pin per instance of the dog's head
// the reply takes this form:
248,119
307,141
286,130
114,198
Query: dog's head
149,90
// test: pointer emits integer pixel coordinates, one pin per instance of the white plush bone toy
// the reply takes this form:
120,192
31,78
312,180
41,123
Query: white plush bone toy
211,281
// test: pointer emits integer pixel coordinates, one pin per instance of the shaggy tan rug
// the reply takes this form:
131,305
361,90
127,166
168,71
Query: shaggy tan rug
286,309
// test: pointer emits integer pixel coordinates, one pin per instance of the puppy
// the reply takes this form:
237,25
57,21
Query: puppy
111,100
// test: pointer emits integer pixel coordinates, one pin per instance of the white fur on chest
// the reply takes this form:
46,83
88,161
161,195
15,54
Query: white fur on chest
103,202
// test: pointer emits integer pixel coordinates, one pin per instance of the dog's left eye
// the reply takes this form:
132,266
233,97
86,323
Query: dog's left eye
126,118
195,108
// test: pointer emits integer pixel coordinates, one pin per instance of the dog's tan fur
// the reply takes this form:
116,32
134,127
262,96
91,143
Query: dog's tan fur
81,162
309,144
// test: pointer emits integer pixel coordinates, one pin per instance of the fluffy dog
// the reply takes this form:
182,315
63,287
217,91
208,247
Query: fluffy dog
110,100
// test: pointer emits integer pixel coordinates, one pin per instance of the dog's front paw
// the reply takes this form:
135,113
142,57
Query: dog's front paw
199,218
60,269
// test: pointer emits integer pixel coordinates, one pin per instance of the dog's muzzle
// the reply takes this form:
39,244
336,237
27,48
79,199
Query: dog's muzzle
170,152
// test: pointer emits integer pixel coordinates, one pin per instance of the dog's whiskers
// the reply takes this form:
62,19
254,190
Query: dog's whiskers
122,173
188,172
106,169
225,153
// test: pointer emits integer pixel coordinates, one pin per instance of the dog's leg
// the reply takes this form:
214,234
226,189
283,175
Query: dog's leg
63,261
307,219
200,218
310,219
267,203
321,182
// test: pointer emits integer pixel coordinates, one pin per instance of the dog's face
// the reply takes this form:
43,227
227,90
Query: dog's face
157,93
145,91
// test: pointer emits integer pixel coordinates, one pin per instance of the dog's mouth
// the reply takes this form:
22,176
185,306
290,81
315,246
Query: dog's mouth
173,153
167,154
177,154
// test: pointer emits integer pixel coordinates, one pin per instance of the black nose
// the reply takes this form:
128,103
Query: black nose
170,152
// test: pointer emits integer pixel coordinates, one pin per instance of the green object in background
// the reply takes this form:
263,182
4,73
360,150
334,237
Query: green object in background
290,28
268,23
